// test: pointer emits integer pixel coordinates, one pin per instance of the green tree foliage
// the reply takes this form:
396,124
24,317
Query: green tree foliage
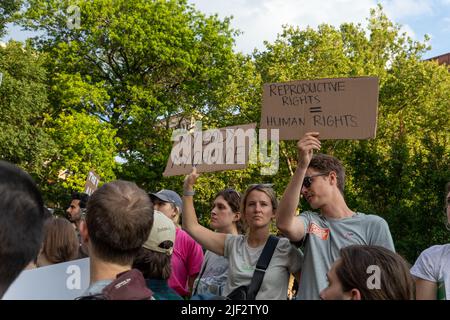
401,174
136,64
23,101
84,143
43,145
7,10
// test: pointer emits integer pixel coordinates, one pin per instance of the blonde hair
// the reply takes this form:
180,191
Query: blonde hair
262,187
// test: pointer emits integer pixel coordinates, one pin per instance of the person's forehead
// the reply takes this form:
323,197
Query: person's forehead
220,199
258,195
75,202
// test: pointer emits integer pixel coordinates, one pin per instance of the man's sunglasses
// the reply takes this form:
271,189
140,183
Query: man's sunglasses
307,181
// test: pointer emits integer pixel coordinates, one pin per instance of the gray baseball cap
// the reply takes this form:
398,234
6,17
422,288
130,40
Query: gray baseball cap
168,196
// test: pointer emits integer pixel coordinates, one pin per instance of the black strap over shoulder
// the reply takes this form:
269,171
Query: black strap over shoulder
261,266
199,278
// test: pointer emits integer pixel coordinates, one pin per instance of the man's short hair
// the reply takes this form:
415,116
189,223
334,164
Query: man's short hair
21,222
119,218
324,163
83,197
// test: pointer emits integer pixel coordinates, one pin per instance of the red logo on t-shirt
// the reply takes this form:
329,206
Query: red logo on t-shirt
322,233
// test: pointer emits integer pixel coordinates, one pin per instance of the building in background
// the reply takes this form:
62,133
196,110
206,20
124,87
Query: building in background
442,59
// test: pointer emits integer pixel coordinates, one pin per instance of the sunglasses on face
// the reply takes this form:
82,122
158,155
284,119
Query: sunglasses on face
307,181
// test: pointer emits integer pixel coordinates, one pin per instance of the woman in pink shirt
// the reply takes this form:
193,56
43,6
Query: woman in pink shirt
187,257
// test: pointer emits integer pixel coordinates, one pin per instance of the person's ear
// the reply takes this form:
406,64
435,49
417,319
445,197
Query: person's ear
177,212
83,229
236,216
353,294
176,215
333,177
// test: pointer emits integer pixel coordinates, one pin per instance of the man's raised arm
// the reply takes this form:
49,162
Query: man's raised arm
289,225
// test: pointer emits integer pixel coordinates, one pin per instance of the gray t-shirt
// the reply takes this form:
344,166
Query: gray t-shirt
214,274
242,260
326,236
433,265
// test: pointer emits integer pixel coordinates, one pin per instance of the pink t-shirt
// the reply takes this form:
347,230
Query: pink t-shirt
186,261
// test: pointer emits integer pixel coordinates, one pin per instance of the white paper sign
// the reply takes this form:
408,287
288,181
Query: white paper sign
62,281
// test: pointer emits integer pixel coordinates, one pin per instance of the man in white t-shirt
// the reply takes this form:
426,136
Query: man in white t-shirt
432,268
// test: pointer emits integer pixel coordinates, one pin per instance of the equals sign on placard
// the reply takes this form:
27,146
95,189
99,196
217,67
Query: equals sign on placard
315,109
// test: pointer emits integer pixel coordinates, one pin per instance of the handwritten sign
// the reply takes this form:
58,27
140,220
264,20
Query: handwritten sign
339,108
91,182
62,281
213,150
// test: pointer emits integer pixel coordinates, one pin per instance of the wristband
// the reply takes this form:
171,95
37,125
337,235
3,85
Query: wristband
188,193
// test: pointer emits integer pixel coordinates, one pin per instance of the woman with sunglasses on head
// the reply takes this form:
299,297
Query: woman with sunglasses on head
432,268
320,179
258,207
226,219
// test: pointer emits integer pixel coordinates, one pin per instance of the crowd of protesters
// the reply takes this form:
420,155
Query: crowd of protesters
138,249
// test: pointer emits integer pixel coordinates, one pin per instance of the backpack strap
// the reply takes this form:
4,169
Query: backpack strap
199,278
261,266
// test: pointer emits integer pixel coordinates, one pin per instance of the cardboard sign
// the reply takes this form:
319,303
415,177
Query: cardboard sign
340,108
62,281
212,150
91,183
